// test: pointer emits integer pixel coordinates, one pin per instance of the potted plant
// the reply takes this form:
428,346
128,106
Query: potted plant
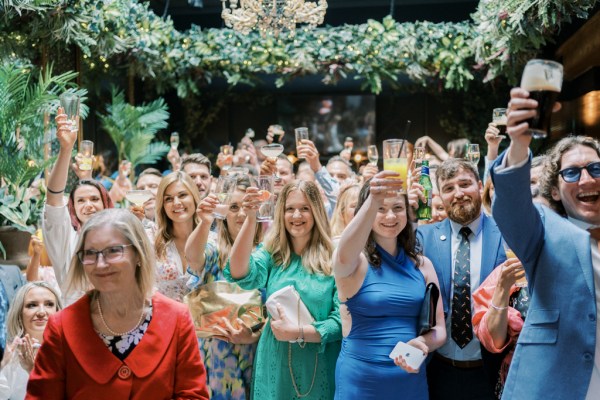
133,129
24,100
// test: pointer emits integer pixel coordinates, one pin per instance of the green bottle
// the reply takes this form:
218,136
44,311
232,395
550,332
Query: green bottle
424,210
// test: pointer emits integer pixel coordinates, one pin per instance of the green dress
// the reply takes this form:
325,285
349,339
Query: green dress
271,378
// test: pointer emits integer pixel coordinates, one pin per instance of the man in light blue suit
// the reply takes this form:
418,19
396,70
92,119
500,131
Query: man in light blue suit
11,280
456,370
557,354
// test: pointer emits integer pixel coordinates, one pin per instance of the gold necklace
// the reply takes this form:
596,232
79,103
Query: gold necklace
119,333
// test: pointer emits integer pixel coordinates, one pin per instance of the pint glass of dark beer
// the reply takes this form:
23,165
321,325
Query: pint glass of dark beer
499,118
543,80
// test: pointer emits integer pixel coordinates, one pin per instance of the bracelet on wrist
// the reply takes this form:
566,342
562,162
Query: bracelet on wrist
495,307
55,191
300,339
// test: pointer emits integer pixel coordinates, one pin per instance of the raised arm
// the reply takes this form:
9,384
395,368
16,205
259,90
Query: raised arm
495,323
244,242
58,177
196,243
33,267
347,256
436,148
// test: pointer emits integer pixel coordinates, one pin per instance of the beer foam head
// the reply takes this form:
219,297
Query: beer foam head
540,77
501,120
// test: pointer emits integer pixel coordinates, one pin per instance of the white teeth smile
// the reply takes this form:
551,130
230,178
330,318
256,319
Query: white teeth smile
588,196
389,225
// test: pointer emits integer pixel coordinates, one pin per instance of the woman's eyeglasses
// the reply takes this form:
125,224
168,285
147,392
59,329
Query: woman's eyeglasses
573,174
110,254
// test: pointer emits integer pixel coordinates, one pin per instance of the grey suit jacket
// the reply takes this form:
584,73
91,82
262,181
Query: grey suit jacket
554,356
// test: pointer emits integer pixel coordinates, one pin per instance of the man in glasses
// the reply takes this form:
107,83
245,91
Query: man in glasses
557,355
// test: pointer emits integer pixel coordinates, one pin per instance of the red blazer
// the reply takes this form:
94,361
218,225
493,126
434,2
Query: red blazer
74,363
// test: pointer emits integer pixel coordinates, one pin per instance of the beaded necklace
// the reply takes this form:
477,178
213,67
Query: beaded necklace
118,333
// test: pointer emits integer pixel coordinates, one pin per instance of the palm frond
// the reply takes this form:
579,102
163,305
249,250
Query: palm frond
133,128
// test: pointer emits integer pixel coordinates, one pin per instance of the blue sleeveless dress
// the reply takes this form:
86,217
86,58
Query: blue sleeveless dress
384,311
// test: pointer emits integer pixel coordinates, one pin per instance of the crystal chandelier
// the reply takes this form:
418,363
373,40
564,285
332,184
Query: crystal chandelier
272,16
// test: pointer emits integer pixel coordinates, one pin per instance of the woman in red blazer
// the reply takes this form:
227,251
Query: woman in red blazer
118,341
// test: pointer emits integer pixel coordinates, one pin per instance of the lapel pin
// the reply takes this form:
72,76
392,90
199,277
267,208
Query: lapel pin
443,237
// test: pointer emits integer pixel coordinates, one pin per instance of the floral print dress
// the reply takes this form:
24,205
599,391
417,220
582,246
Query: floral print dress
170,278
228,365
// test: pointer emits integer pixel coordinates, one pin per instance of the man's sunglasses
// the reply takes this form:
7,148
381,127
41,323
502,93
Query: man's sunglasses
573,174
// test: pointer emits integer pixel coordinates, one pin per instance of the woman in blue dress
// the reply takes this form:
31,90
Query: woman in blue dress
381,279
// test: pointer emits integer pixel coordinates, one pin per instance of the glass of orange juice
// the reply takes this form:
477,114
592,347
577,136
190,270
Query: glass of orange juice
521,282
395,158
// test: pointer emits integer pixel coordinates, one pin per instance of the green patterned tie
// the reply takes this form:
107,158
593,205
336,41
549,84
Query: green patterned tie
462,327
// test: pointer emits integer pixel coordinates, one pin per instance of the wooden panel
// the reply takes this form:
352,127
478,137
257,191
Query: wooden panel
582,51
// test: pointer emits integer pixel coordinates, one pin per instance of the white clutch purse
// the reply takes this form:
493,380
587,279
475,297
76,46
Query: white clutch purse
293,306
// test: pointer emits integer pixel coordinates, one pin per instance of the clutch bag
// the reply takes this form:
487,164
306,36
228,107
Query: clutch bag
293,306
428,309
211,302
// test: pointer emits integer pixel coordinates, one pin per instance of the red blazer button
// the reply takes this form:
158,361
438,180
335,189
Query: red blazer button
124,372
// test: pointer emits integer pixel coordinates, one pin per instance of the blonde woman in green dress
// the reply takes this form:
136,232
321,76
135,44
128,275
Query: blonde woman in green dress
292,361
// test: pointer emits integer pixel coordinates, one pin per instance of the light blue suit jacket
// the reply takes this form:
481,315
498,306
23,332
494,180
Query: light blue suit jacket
436,240
12,279
554,357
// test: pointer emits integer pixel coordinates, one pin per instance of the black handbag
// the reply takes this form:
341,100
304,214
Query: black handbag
428,309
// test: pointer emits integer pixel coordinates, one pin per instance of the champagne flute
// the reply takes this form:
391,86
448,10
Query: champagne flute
225,187
418,155
473,153
272,151
373,154
227,151
348,144
174,140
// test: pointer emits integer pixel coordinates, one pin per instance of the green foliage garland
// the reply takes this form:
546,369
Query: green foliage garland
501,36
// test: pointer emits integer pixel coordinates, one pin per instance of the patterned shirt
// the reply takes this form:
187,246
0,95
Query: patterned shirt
122,346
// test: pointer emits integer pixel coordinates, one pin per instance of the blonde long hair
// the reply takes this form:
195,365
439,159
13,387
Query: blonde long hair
224,239
14,320
128,225
347,194
164,233
316,257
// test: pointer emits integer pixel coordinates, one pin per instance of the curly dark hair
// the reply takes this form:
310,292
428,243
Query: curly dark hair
407,239
552,164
